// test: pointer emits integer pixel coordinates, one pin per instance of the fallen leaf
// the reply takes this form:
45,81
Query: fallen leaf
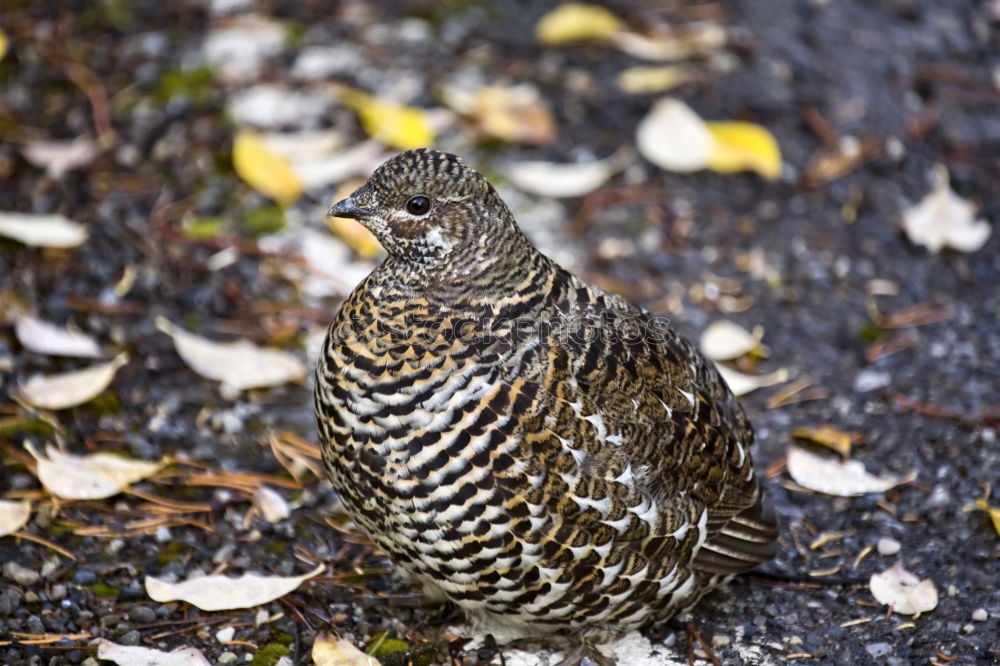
741,383
272,505
725,341
238,365
395,125
943,219
828,436
907,594
697,39
644,80
3,44
42,230
832,476
212,593
549,179
58,157
321,170
332,651
41,337
129,655
264,169
93,476
740,146
673,137
515,113
575,22
13,515
829,164
983,504
237,46
70,389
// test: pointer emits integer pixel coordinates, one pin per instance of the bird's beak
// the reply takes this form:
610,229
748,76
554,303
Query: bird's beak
348,208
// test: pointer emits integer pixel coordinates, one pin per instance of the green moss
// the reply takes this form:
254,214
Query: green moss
196,84
264,220
269,654
203,228
16,426
104,590
382,645
106,403
170,553
277,548
871,332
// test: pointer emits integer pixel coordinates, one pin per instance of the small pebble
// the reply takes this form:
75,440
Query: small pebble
58,592
877,650
720,640
19,574
980,615
227,658
142,615
968,628
225,635
887,546
84,577
131,638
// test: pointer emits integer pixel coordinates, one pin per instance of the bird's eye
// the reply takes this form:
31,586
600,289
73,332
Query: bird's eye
418,205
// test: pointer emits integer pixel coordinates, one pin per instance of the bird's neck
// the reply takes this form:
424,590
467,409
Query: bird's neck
477,272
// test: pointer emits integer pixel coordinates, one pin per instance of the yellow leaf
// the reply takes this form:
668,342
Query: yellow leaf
395,125
574,22
3,44
982,504
740,146
514,114
352,232
645,80
265,170
828,436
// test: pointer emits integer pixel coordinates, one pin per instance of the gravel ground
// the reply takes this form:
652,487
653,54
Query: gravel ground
804,260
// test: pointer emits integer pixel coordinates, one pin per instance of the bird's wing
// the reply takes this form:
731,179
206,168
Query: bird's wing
636,415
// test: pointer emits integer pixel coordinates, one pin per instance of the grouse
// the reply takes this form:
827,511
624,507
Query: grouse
542,453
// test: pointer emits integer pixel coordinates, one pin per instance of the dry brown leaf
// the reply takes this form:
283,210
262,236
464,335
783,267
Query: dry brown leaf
515,113
832,476
238,365
69,389
13,515
332,651
94,476
212,593
129,655
828,436
42,230
42,337
944,219
907,594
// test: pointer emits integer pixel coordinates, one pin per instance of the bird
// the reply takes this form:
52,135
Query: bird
542,453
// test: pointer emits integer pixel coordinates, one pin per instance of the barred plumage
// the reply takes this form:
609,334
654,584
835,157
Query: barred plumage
539,451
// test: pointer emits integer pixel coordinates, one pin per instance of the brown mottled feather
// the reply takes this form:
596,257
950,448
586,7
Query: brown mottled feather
539,451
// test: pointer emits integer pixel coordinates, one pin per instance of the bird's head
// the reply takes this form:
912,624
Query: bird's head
427,207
